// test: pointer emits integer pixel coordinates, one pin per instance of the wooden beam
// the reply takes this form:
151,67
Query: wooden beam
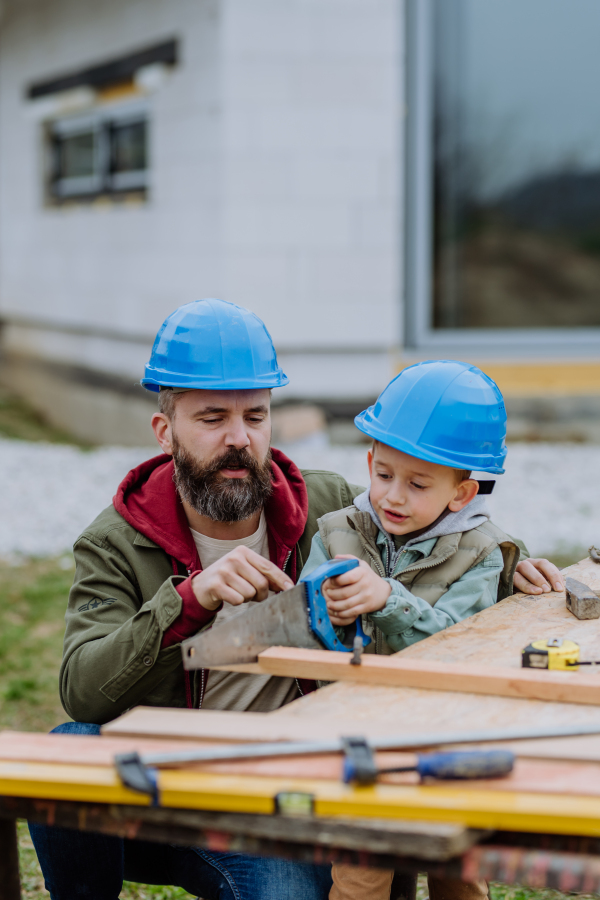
500,681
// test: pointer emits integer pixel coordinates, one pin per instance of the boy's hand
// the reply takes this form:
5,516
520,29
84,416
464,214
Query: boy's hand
354,593
537,576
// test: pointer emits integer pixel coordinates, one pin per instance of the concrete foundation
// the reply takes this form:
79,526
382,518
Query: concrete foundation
89,405
114,409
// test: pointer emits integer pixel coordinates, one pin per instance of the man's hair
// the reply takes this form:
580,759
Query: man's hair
166,402
460,474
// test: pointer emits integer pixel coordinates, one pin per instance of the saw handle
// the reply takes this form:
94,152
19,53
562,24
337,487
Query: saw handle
320,622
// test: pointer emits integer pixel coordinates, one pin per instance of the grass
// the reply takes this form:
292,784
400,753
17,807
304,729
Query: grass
32,605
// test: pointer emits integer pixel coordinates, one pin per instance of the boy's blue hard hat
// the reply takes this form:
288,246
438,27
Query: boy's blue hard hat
213,345
443,411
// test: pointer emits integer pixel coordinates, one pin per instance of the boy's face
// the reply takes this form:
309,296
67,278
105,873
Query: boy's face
409,493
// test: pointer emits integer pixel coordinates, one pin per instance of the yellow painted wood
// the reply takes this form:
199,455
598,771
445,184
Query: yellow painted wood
542,378
99,784
552,814
529,812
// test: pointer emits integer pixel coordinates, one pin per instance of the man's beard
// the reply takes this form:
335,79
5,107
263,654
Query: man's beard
218,498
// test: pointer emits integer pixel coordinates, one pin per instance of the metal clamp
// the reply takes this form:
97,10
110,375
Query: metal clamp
359,761
137,776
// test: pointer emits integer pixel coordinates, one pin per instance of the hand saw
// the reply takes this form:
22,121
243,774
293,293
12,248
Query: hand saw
294,618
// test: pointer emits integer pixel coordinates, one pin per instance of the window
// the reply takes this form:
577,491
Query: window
504,172
102,153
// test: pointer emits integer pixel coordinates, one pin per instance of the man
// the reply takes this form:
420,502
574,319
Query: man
217,521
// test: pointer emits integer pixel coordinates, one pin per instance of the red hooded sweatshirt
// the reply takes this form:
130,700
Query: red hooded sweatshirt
148,501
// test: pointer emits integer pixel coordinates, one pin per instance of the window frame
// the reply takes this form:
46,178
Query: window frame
103,183
418,233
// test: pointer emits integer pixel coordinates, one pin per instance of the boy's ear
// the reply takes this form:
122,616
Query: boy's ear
465,492
370,462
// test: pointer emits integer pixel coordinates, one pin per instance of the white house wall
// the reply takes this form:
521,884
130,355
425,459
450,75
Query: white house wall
312,160
275,166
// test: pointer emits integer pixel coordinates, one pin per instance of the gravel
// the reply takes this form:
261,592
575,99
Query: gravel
549,496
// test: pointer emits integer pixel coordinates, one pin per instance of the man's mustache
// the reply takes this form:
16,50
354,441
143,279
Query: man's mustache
233,459
214,495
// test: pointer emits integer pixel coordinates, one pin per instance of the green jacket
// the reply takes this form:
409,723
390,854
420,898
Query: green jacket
131,603
435,581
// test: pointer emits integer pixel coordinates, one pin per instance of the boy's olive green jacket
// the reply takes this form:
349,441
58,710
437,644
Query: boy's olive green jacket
132,604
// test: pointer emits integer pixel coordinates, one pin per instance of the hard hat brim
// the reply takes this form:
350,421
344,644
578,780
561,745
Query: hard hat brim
453,461
155,382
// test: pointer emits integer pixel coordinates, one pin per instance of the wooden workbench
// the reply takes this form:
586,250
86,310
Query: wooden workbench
541,827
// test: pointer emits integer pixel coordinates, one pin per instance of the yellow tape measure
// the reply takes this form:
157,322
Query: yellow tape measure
555,653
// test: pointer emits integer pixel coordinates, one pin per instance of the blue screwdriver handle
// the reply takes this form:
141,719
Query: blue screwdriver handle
466,764
320,622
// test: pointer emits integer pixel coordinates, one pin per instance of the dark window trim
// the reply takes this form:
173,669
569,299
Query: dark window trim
103,181
119,69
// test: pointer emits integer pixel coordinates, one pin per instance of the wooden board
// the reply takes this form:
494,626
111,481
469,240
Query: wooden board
182,789
211,725
495,637
396,671
548,776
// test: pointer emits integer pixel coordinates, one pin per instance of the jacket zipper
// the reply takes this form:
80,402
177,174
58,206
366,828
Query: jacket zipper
427,563
286,561
202,686
202,671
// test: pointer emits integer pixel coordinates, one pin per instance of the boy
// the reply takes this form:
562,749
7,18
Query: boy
429,556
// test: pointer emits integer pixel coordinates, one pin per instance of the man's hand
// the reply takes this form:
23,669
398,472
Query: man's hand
354,593
238,576
538,576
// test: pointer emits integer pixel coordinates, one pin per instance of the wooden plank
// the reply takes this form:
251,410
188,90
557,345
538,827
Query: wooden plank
529,775
341,708
532,773
493,637
473,808
214,725
10,881
571,873
496,636
396,671
585,748
265,835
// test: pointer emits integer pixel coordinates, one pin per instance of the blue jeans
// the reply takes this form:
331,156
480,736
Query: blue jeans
78,864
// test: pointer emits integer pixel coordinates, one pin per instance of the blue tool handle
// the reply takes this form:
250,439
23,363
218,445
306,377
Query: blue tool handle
466,764
360,633
320,622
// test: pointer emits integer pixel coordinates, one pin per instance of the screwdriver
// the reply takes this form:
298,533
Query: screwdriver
457,765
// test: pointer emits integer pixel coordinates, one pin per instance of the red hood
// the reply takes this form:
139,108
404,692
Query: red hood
148,500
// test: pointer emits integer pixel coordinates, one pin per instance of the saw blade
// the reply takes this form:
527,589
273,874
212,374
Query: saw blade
279,621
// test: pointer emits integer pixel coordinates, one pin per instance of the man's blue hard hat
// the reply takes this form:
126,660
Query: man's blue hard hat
213,345
443,411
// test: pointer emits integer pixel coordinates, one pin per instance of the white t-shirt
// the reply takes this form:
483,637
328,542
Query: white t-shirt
233,690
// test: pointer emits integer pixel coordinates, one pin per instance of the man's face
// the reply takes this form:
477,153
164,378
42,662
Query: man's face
220,442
